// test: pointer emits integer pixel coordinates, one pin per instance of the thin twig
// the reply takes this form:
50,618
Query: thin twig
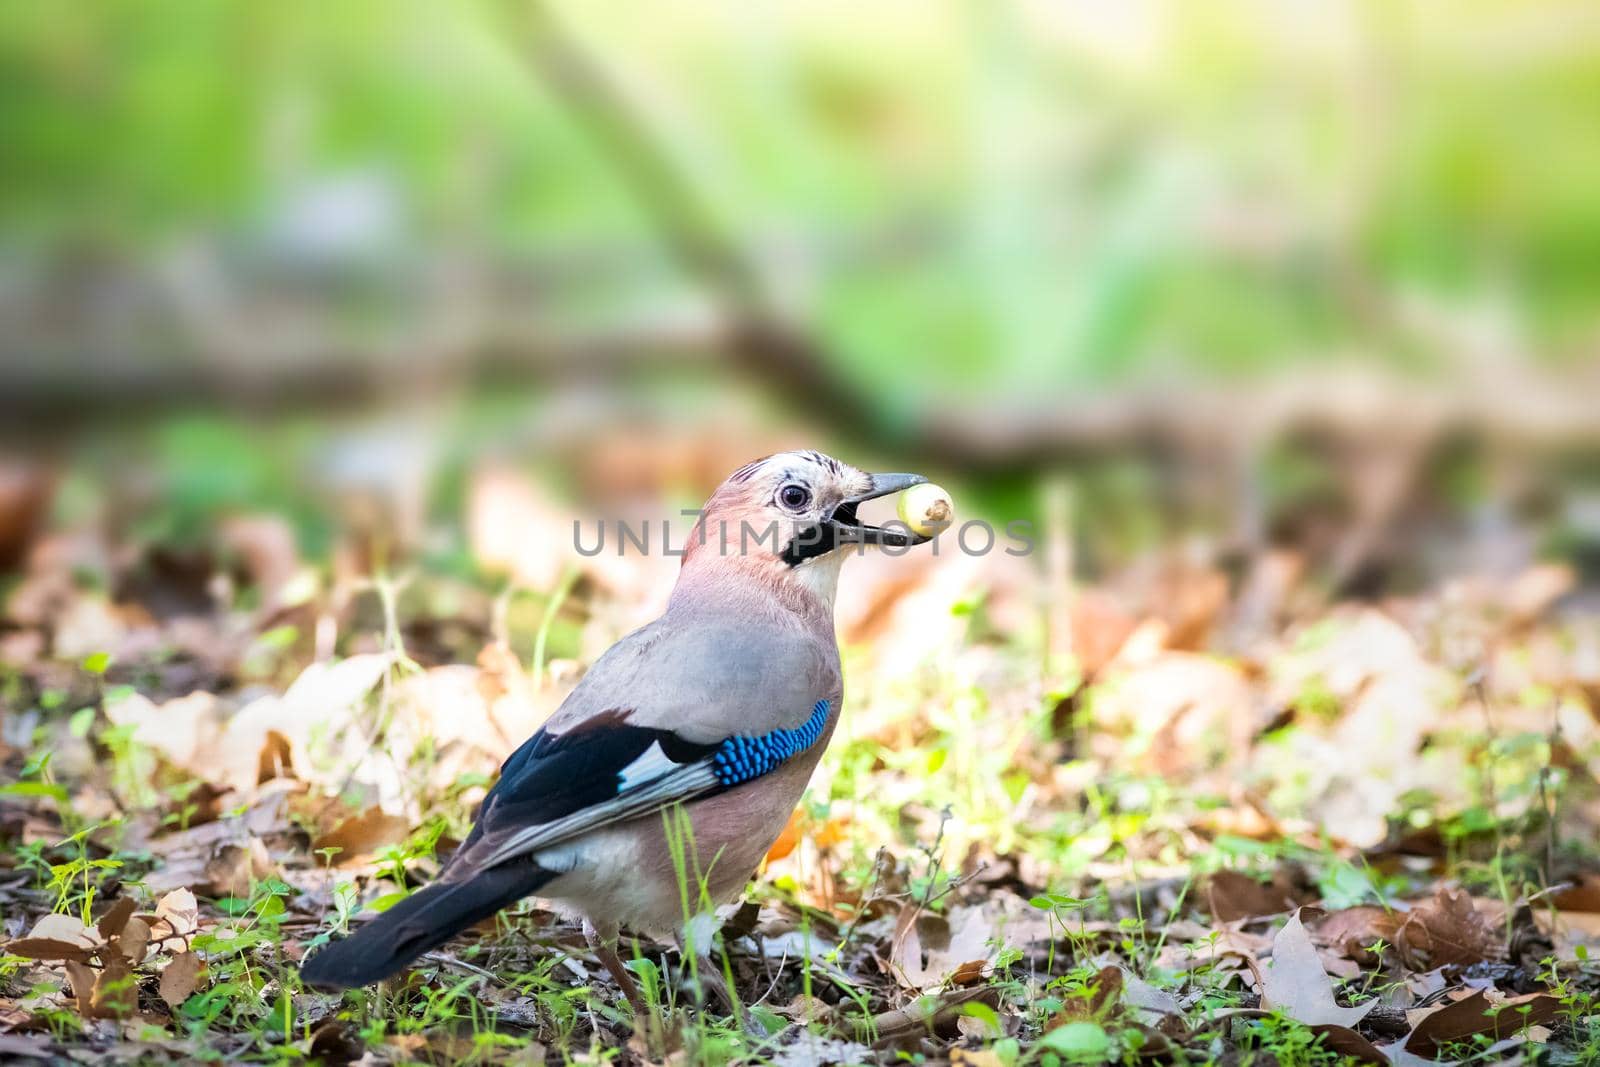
446,960
880,863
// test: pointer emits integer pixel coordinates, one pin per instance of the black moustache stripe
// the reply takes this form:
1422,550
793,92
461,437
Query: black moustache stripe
811,542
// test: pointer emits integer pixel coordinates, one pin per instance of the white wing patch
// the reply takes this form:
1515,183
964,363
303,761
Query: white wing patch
647,768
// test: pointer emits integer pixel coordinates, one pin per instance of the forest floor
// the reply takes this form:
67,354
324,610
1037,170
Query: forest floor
1156,822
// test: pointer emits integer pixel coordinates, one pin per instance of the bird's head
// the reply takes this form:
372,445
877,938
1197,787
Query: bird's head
791,518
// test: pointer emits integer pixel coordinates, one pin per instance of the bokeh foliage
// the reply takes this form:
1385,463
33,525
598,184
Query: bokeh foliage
1014,196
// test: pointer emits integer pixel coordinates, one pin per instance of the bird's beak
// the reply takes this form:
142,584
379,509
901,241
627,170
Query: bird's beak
851,530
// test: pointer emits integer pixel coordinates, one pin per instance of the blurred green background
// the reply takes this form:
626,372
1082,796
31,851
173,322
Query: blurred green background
1272,270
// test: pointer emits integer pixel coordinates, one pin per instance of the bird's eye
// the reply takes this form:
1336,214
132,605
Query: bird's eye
794,497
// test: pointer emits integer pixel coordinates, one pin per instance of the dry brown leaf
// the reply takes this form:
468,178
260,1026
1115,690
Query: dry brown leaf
62,927
1190,599
1536,589
27,486
180,978
1198,711
1425,984
177,917
265,544
81,980
133,940
968,973
1158,1042
1190,945
1099,628
111,923
1233,896
804,1009
935,1013
1294,982
116,990
1391,695
952,944
180,909
933,948
1337,964
513,525
1242,817
334,1042
1346,1042
235,870
1145,998
788,838
57,937
359,836
276,758
834,830
184,730
905,949
47,948
1447,930
1583,896
1352,931
314,707
220,859
1475,1015
1570,930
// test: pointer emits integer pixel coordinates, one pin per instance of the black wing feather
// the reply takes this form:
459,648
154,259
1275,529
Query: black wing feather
555,775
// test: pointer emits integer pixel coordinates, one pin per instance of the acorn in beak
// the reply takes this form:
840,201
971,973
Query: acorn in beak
843,527
851,530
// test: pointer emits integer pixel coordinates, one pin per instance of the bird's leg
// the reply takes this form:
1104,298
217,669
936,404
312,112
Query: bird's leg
607,955
710,978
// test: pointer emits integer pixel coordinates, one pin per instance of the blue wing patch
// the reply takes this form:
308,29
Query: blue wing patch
739,759
558,786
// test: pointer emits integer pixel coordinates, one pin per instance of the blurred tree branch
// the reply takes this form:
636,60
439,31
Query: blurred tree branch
760,340
235,350
1510,404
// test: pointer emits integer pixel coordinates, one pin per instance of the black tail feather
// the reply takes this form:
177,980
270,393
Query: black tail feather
420,923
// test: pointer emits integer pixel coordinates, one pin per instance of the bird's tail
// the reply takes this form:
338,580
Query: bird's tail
420,923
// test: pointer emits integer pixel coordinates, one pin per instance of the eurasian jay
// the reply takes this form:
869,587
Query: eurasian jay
722,705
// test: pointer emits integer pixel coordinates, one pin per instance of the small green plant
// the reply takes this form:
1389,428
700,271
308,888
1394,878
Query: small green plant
1059,908
1289,1042
76,881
